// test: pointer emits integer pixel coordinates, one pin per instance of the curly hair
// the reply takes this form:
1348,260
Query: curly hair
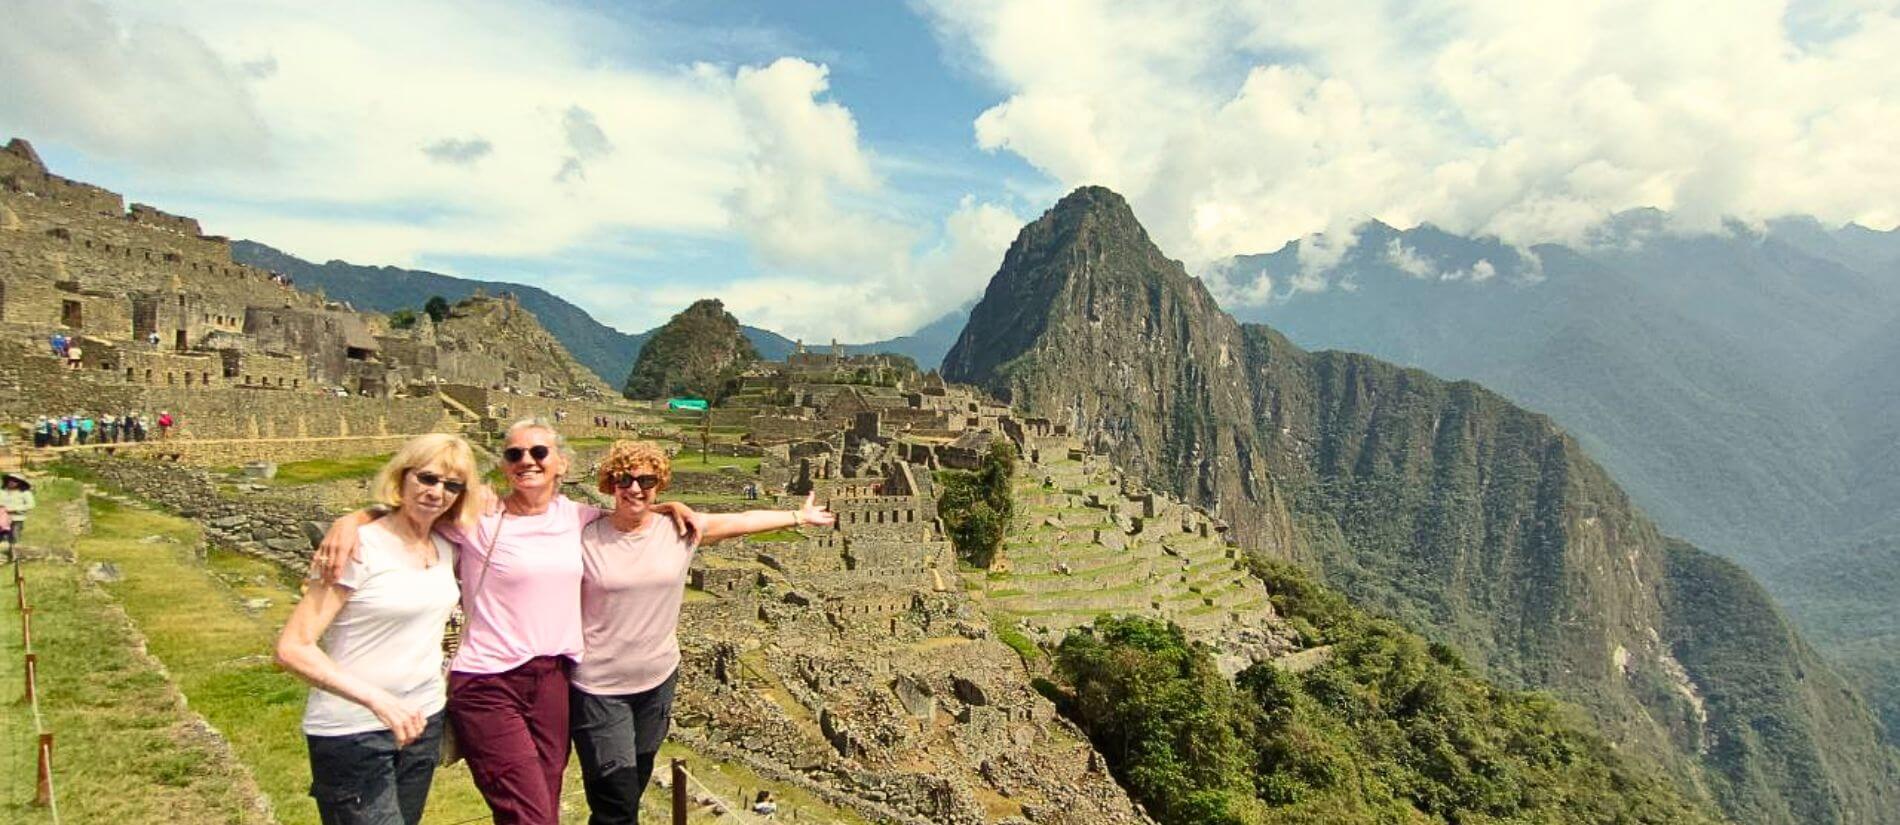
632,458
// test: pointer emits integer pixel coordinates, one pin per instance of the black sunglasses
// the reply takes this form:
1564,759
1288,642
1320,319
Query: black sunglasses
513,455
428,479
646,482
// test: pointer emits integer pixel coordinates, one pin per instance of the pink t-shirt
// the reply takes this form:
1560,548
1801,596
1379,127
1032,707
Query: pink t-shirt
630,605
528,606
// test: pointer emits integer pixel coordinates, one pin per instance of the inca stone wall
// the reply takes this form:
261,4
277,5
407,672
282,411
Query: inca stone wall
258,523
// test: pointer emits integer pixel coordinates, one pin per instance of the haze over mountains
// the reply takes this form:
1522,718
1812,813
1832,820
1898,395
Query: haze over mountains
607,351
1740,385
1476,521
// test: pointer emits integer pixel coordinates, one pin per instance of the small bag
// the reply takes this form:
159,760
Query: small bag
452,641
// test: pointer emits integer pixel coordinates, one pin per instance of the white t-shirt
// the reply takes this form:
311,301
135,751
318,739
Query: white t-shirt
388,633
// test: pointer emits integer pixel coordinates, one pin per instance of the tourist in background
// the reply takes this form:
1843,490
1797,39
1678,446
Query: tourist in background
165,423
520,571
633,583
370,642
16,499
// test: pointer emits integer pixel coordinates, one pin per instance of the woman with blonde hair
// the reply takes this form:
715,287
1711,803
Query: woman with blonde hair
370,641
633,583
520,569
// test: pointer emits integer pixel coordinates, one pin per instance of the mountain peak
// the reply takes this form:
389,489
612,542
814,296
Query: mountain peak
699,352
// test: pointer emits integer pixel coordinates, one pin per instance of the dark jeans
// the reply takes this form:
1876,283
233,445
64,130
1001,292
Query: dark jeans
618,738
364,779
512,727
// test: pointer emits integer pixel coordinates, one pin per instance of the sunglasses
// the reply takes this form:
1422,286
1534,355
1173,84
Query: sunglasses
513,455
646,482
428,479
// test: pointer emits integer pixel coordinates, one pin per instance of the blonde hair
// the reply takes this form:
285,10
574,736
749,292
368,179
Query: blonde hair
630,457
450,451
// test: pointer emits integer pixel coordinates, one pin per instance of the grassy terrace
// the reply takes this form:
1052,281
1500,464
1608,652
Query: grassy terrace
328,469
218,654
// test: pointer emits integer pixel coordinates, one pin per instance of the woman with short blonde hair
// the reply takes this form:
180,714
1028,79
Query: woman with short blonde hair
370,641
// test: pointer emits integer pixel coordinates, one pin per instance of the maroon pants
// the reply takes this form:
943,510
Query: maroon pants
512,727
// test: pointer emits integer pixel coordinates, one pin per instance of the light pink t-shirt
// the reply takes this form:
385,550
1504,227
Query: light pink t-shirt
529,605
630,605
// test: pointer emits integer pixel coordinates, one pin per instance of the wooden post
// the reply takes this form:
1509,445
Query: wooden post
32,675
44,795
679,792
26,628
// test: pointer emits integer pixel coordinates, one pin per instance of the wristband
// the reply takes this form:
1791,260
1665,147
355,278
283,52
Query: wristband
798,518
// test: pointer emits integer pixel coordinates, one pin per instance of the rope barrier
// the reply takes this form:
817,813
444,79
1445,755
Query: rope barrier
46,789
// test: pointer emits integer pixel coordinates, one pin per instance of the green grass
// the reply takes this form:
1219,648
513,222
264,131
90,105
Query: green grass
329,469
688,459
219,655
123,752
1007,633
782,535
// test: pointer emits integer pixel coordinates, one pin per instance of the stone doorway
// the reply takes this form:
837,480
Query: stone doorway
72,314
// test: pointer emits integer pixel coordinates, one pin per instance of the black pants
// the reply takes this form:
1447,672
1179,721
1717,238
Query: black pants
618,739
364,779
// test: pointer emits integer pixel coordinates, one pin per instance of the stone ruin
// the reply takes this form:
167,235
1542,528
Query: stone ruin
164,319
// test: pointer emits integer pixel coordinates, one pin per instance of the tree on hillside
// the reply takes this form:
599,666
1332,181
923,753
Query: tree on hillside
437,308
402,319
976,506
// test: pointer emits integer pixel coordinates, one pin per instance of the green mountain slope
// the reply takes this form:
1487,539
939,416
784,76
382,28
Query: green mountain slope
601,348
699,352
1438,503
1738,384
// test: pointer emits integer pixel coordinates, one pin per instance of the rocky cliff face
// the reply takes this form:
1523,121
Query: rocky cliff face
1439,503
696,353
501,328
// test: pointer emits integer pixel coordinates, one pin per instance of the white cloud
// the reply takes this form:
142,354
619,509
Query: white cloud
1402,258
395,133
1235,285
74,73
1232,130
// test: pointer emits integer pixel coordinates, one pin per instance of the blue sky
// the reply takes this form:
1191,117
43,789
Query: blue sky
854,169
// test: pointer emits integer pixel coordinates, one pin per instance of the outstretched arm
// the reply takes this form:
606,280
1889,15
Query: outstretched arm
720,526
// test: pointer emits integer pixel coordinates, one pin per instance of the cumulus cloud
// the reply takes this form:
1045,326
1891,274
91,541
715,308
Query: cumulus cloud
1234,128
347,132
125,89
457,151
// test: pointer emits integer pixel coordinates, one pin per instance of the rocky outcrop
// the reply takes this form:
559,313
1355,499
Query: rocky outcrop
1439,503
700,352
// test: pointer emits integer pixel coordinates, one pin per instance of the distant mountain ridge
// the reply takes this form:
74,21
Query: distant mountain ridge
1740,384
1436,502
607,351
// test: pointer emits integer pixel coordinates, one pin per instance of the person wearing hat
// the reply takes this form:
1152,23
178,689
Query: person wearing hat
16,500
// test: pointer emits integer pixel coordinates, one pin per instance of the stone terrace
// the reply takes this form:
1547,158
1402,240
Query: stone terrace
1085,544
